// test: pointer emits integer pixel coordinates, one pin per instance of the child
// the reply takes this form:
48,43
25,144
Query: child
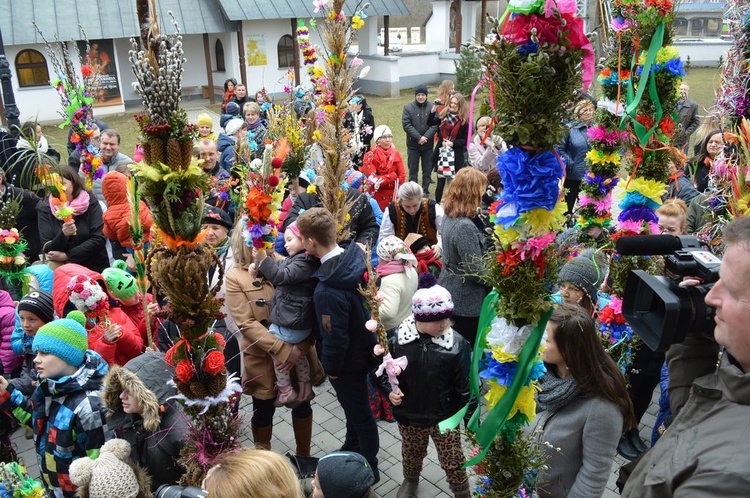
205,127
121,285
10,361
343,474
383,167
116,218
65,410
398,281
346,345
35,310
427,261
292,309
433,387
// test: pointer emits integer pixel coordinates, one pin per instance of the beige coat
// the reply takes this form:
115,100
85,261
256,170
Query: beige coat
256,342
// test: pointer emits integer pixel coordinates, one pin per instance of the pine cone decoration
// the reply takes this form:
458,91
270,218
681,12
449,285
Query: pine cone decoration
146,146
184,388
215,384
186,151
174,155
198,389
158,152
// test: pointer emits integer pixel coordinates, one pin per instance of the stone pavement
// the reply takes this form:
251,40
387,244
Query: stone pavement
328,434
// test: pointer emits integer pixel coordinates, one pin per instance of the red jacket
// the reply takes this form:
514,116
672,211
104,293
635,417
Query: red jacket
136,315
114,190
127,346
387,166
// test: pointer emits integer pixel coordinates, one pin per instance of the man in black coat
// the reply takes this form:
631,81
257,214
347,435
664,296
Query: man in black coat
688,118
419,137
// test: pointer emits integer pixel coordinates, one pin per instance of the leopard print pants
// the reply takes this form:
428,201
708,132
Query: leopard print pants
414,442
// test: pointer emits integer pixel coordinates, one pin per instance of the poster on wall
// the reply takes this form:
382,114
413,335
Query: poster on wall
255,50
100,56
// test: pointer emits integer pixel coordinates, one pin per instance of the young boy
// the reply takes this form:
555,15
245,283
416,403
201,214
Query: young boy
346,343
65,410
433,387
35,310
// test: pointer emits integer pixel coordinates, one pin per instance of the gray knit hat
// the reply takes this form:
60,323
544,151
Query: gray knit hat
344,474
582,272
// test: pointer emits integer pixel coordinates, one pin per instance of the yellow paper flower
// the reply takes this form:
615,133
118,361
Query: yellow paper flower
20,260
599,157
542,221
501,356
357,22
506,236
665,54
743,204
494,395
525,402
317,136
648,188
312,189
317,71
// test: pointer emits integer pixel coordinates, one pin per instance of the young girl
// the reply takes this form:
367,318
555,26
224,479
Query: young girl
229,85
582,408
383,167
292,310
453,134
65,410
432,388
205,127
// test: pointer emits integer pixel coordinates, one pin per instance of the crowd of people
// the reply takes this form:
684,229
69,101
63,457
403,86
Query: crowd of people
81,380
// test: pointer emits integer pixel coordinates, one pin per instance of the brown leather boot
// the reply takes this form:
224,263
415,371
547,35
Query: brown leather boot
302,435
262,436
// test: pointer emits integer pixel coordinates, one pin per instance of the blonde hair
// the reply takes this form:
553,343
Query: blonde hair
708,125
580,106
252,473
484,120
311,125
250,107
464,194
243,255
463,107
675,208
445,89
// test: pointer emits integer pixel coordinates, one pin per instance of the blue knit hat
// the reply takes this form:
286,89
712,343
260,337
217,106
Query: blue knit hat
65,338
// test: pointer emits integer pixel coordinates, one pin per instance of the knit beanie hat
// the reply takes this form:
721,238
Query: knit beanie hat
204,120
40,303
354,179
344,474
120,283
392,248
380,131
233,108
65,338
420,89
416,242
581,271
233,125
431,302
109,476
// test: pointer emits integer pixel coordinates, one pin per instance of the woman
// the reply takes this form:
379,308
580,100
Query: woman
453,133
699,167
464,244
573,150
579,280
383,167
248,300
361,123
252,474
485,147
413,213
582,407
229,85
80,240
256,130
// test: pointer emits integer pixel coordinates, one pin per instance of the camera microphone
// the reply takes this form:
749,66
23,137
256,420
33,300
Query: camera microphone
649,245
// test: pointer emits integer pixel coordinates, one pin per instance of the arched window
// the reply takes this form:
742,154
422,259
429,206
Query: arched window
219,56
31,68
285,49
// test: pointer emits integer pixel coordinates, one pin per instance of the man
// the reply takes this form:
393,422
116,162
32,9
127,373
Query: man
419,137
109,145
704,452
240,95
688,118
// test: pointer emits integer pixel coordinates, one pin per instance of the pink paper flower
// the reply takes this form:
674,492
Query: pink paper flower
564,6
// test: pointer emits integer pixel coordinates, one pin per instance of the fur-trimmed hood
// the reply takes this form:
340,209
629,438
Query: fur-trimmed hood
144,377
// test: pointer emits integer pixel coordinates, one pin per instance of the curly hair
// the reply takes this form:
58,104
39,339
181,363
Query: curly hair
464,193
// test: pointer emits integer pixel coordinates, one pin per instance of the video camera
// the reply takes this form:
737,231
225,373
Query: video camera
175,491
660,311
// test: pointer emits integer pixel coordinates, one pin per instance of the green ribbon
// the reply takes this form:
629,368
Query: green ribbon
496,419
634,100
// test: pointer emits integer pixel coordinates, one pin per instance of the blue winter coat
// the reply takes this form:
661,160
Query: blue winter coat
346,345
573,151
225,146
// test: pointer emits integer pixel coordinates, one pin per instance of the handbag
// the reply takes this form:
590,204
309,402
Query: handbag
305,467
446,165
53,265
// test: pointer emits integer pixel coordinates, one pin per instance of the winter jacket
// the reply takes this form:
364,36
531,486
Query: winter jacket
137,316
127,346
397,290
680,187
696,215
117,215
586,430
460,142
249,301
225,146
463,247
157,435
703,453
292,305
484,156
9,358
415,122
346,345
389,170
436,381
87,247
698,171
573,151
688,119
363,226
27,220
67,418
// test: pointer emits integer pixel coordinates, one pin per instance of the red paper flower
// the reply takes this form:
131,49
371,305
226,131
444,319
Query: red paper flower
518,29
213,363
169,356
184,370
220,340
86,70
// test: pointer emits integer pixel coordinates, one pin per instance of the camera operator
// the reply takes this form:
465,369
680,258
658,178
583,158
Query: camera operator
704,451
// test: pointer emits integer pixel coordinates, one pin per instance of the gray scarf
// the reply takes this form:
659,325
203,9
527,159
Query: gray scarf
556,392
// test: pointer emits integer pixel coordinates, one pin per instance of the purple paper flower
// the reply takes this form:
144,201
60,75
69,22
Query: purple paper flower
638,213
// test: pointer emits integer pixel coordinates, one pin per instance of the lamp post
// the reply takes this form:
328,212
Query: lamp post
10,111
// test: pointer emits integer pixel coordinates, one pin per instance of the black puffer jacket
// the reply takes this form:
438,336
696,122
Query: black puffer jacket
293,283
157,436
436,381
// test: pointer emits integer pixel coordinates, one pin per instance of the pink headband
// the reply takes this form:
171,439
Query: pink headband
294,229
